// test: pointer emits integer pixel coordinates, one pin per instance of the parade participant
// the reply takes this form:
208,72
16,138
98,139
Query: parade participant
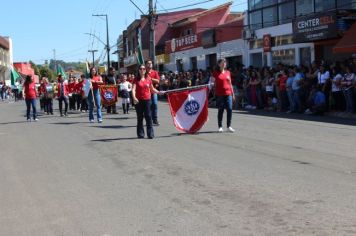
142,89
224,93
125,89
63,94
111,80
30,95
71,95
76,95
94,96
46,93
79,91
154,99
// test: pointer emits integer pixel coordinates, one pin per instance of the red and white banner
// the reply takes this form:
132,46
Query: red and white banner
189,109
108,94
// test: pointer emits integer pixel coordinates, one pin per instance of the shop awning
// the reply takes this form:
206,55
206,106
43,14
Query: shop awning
347,44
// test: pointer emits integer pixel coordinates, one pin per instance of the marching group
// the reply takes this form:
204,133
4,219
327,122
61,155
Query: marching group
312,90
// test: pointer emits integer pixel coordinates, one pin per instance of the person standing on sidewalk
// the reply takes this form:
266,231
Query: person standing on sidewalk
94,96
30,94
142,89
224,93
153,74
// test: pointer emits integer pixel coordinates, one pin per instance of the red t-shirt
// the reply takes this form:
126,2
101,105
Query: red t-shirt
222,83
154,75
30,90
283,83
96,79
143,91
79,87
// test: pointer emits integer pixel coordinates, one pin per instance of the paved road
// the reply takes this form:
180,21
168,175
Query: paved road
274,176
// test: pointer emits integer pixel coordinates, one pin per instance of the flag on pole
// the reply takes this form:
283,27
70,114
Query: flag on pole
14,76
87,69
61,71
189,109
139,55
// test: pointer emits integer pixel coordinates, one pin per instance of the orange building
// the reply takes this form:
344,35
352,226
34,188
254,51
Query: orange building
25,68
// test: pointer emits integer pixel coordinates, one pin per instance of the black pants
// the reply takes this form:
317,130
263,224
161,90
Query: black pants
111,108
78,100
60,101
72,102
143,109
48,105
84,105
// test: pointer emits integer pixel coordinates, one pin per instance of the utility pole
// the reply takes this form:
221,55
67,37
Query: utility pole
54,61
93,51
107,38
152,22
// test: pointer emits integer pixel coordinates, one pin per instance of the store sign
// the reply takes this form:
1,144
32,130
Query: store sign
183,43
129,61
267,43
315,27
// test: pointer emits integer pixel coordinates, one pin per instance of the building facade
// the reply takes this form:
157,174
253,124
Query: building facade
6,59
201,39
296,32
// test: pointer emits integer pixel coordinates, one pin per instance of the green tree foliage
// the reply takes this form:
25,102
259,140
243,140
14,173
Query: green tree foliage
35,68
46,72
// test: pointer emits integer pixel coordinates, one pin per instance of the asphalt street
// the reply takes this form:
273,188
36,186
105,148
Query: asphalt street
276,175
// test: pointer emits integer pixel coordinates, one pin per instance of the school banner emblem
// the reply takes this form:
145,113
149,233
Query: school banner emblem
108,94
189,109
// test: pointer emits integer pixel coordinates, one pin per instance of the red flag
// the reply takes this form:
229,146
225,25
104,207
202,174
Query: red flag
189,109
108,94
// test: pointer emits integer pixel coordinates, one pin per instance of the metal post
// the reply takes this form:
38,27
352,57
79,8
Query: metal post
151,17
93,51
107,38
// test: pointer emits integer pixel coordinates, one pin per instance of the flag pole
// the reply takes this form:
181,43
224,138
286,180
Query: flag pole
188,88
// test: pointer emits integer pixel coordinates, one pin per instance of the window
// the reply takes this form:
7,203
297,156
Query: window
267,3
255,4
324,5
286,12
286,56
256,20
346,4
270,16
304,7
305,56
256,59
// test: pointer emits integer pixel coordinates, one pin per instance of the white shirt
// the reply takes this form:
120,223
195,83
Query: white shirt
336,88
125,86
323,77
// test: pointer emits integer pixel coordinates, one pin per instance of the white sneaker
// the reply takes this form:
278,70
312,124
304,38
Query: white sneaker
35,119
220,130
91,121
231,129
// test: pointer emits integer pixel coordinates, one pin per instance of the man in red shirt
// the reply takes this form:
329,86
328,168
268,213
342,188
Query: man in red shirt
63,93
153,74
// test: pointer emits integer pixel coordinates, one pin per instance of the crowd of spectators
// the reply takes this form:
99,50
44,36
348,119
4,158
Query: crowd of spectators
314,89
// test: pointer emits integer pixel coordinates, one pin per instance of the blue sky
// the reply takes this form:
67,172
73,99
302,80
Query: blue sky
39,26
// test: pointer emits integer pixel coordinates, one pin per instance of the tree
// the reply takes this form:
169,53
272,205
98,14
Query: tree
35,68
46,72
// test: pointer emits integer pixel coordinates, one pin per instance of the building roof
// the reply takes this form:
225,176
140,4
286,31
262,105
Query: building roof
196,16
4,43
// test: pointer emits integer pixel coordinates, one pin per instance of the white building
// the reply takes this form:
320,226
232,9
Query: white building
6,59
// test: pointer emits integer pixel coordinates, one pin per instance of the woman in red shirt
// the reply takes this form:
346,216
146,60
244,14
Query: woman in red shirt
142,88
94,96
224,93
30,97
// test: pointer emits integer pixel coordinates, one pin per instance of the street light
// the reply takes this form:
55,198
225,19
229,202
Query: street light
107,37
